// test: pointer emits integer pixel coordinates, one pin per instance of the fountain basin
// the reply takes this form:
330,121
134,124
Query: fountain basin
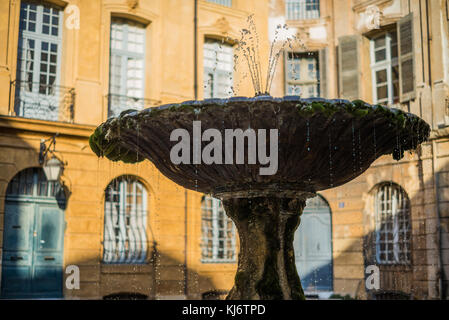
322,143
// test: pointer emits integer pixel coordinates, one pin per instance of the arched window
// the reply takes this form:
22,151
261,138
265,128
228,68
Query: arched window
33,182
218,240
125,221
393,227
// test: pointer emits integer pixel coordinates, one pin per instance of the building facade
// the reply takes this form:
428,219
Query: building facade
66,66
393,219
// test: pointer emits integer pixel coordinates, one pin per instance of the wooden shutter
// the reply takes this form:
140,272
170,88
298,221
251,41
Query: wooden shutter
406,58
348,67
323,72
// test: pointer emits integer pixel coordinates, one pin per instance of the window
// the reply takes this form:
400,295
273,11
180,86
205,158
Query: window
302,9
393,230
218,243
218,69
38,62
125,221
32,182
385,68
227,3
302,74
127,66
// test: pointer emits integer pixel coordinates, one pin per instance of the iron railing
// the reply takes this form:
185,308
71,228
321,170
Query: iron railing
119,103
226,3
43,101
302,9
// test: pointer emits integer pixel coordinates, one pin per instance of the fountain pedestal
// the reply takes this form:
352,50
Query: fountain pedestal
266,266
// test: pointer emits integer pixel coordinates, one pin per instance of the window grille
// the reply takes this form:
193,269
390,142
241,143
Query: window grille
218,69
33,182
227,3
127,66
302,9
218,232
38,62
125,209
385,68
302,74
393,227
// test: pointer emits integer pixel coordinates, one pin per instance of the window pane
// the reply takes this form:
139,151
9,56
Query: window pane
381,76
381,55
125,239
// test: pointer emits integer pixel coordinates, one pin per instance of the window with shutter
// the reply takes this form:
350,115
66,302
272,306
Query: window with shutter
348,67
302,74
218,69
384,66
406,58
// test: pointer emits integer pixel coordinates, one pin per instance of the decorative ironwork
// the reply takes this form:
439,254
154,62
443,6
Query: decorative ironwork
125,208
43,101
119,103
393,225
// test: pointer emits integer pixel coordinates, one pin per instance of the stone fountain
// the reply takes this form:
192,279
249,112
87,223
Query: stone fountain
321,144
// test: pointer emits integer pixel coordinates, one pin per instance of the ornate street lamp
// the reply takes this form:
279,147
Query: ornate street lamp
52,167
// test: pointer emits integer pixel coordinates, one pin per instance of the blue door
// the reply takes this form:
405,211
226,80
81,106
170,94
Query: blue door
33,238
313,246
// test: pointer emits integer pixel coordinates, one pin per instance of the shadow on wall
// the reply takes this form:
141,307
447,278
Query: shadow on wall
33,231
417,279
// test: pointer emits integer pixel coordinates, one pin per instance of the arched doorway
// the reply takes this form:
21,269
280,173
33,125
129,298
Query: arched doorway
33,237
313,247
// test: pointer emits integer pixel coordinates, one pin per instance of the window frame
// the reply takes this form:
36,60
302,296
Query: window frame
129,256
388,64
214,218
23,93
121,101
215,73
395,229
300,14
302,84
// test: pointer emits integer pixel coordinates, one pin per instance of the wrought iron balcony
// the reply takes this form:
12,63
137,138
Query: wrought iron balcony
42,101
302,9
119,103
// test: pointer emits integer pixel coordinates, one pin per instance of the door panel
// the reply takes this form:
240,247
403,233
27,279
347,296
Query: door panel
17,254
18,224
47,276
313,249
33,242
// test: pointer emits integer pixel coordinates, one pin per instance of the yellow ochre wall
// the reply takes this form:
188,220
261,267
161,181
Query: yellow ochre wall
168,78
